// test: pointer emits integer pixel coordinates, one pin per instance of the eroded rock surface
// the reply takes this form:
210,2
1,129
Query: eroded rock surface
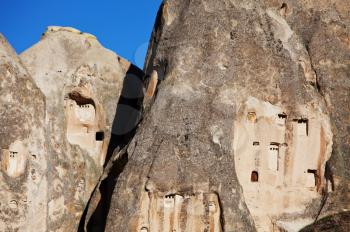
59,125
246,124
82,82
252,107
23,147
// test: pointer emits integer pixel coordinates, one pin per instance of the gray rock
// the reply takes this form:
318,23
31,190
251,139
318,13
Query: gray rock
250,117
55,138
23,177
82,82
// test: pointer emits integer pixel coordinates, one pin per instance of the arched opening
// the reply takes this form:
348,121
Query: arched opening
212,206
251,117
82,122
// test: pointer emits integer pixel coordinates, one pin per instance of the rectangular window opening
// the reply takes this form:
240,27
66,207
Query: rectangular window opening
254,177
100,136
282,116
314,172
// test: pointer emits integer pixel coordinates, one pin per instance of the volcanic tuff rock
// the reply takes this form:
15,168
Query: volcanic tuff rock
248,130
23,176
56,123
245,125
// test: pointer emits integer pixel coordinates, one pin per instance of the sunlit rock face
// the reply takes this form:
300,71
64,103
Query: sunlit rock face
252,107
166,212
57,116
23,147
81,82
280,161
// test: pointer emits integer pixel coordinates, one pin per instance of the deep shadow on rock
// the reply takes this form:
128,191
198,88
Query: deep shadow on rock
128,116
334,223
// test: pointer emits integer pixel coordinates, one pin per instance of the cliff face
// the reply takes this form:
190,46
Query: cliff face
23,178
245,124
248,129
58,115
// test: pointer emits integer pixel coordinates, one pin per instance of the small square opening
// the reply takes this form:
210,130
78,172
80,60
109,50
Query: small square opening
254,177
100,135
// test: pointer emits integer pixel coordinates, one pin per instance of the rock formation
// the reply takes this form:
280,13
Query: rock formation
243,126
252,110
23,143
55,137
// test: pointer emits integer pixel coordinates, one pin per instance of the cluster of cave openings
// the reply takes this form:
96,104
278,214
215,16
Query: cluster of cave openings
82,121
186,212
302,126
281,118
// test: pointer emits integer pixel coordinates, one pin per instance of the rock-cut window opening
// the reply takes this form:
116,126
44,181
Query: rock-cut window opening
81,100
13,153
100,135
144,229
212,206
273,156
303,126
254,177
282,116
251,117
314,172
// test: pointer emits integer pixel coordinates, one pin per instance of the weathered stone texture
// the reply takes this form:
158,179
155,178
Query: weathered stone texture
81,82
23,176
246,124
222,63
57,119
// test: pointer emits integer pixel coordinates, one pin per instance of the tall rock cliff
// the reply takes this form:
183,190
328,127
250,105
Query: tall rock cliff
59,126
248,130
23,147
243,126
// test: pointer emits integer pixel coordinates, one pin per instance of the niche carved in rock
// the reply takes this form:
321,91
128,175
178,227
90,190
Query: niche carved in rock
14,159
83,118
280,158
178,212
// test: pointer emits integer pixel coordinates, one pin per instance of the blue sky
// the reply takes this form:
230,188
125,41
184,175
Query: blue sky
123,26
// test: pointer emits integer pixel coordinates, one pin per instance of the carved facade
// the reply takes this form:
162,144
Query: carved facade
178,212
279,158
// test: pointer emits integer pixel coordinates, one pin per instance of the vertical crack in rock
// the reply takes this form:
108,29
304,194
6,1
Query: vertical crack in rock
128,116
241,112
243,126
82,83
